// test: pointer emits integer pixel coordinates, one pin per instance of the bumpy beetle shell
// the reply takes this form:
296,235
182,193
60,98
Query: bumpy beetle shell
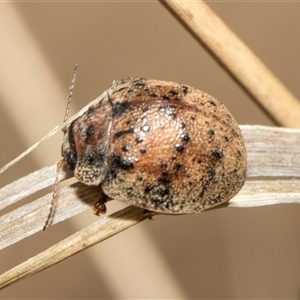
158,145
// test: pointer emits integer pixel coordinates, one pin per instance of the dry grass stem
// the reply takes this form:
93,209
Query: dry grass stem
272,152
238,59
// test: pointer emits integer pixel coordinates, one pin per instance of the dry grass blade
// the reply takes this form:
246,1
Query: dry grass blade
89,236
239,60
272,152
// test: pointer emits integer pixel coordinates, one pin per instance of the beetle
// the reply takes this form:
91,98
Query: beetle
165,147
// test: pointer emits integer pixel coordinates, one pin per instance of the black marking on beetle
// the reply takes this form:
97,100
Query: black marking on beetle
121,163
179,147
173,93
147,189
184,89
119,109
201,194
121,89
125,148
165,173
163,192
143,150
226,139
217,154
71,159
153,95
177,166
97,159
212,103
239,153
163,181
182,125
199,160
193,118
90,110
185,137
166,98
145,109
139,139
211,133
122,132
90,131
163,165
211,173
139,84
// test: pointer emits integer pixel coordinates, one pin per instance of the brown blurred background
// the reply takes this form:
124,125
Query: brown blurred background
225,253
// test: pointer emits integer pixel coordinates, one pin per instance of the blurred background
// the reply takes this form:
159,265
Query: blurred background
224,253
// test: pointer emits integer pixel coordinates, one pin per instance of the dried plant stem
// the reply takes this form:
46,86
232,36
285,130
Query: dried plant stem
272,152
239,60
98,231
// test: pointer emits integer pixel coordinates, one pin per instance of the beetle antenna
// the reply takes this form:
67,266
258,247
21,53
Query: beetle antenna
61,161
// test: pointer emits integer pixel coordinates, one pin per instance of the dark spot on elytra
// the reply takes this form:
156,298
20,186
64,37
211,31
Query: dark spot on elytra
121,163
125,148
145,109
185,137
218,199
139,84
119,109
129,191
143,150
201,194
217,154
147,189
212,103
165,173
163,181
152,95
139,139
139,178
165,98
193,118
229,117
211,133
226,139
90,131
184,89
163,165
179,147
163,192
199,160
211,173
182,125
239,153
177,166
173,93
123,132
